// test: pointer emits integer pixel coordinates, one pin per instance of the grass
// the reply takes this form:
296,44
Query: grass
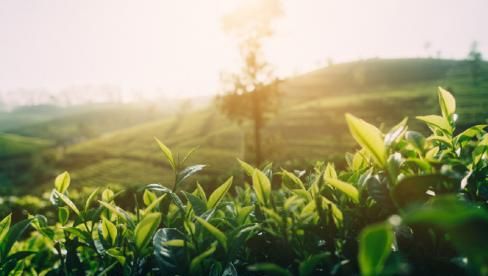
11,144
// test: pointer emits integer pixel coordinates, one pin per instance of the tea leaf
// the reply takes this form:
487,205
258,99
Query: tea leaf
219,193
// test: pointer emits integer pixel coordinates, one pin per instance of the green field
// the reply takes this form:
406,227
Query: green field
309,126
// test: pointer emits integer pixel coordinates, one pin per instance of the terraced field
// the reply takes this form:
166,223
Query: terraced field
309,126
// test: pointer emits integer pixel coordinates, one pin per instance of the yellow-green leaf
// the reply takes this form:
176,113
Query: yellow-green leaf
330,171
107,195
145,229
344,187
369,137
436,121
167,153
175,243
148,197
154,203
5,226
195,263
219,193
247,168
61,183
63,215
447,103
109,230
90,199
68,202
219,235
291,180
261,185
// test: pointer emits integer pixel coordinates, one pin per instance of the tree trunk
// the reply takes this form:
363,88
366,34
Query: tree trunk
257,118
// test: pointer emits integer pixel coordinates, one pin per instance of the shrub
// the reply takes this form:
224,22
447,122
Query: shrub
406,204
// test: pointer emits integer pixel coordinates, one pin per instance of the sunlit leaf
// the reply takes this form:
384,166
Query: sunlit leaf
246,167
145,229
109,230
61,183
90,199
447,103
436,122
148,197
5,226
291,180
219,235
262,186
369,137
167,153
219,193
344,187
68,202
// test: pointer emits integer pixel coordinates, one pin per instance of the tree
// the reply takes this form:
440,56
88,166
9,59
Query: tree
475,61
251,93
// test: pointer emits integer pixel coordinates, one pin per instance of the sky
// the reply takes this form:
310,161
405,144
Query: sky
179,47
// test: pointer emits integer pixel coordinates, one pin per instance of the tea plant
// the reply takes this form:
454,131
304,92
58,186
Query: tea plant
406,204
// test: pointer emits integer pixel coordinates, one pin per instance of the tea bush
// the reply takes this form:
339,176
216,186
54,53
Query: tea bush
405,205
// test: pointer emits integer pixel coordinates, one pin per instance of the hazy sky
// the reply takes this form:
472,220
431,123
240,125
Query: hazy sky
179,45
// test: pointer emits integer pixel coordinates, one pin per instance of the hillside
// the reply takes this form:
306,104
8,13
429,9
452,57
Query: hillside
309,126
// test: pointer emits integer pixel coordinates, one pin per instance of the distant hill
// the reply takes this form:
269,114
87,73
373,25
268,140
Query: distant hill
310,125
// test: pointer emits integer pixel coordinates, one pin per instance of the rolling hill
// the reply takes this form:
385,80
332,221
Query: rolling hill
309,126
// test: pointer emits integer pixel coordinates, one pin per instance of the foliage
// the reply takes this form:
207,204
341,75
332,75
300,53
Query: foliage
405,205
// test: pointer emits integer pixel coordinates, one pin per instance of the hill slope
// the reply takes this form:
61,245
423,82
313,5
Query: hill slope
310,125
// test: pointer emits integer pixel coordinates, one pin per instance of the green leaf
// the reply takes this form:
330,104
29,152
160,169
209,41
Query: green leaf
246,167
219,235
107,195
413,189
375,243
395,133
369,137
68,202
145,229
154,203
262,186
15,233
198,205
344,187
416,139
117,254
5,226
109,230
61,183
270,269
196,262
148,197
219,193
436,121
465,223
63,215
171,260
90,199
167,153
447,103
307,267
116,210
291,180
